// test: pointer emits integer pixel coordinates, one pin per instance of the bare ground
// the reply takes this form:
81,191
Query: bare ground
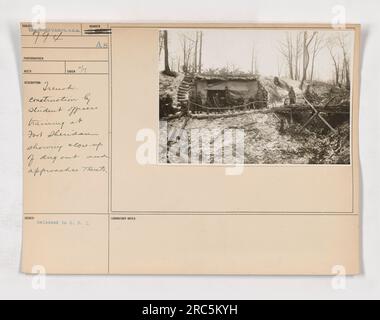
266,143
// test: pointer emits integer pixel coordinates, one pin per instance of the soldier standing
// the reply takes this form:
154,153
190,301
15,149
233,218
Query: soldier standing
292,96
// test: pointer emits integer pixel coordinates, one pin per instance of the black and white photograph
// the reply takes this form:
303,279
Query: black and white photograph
189,157
255,96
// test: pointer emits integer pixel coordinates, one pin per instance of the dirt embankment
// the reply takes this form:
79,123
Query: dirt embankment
264,142
169,86
316,92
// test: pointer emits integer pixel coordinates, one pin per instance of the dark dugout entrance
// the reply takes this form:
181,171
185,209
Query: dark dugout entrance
217,98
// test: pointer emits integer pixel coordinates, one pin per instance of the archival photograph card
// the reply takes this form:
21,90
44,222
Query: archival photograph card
227,149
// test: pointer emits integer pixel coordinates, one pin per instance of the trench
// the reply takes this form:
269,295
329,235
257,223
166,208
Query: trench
266,139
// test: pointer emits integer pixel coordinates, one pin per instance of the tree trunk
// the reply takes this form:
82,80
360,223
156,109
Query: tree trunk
184,55
346,68
312,68
290,56
291,60
253,61
337,73
166,46
348,77
337,76
306,57
291,70
200,52
161,43
296,52
196,53
313,60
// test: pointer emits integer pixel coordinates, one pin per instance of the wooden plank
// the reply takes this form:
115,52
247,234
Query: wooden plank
308,121
326,123
302,109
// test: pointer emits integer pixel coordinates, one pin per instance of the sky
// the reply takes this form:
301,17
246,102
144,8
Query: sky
234,47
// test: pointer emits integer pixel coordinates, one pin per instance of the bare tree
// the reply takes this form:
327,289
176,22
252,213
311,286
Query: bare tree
161,42
179,64
166,47
279,68
200,51
188,45
346,61
173,63
189,53
184,47
318,46
297,54
286,49
291,49
196,52
339,46
253,61
307,39
336,61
